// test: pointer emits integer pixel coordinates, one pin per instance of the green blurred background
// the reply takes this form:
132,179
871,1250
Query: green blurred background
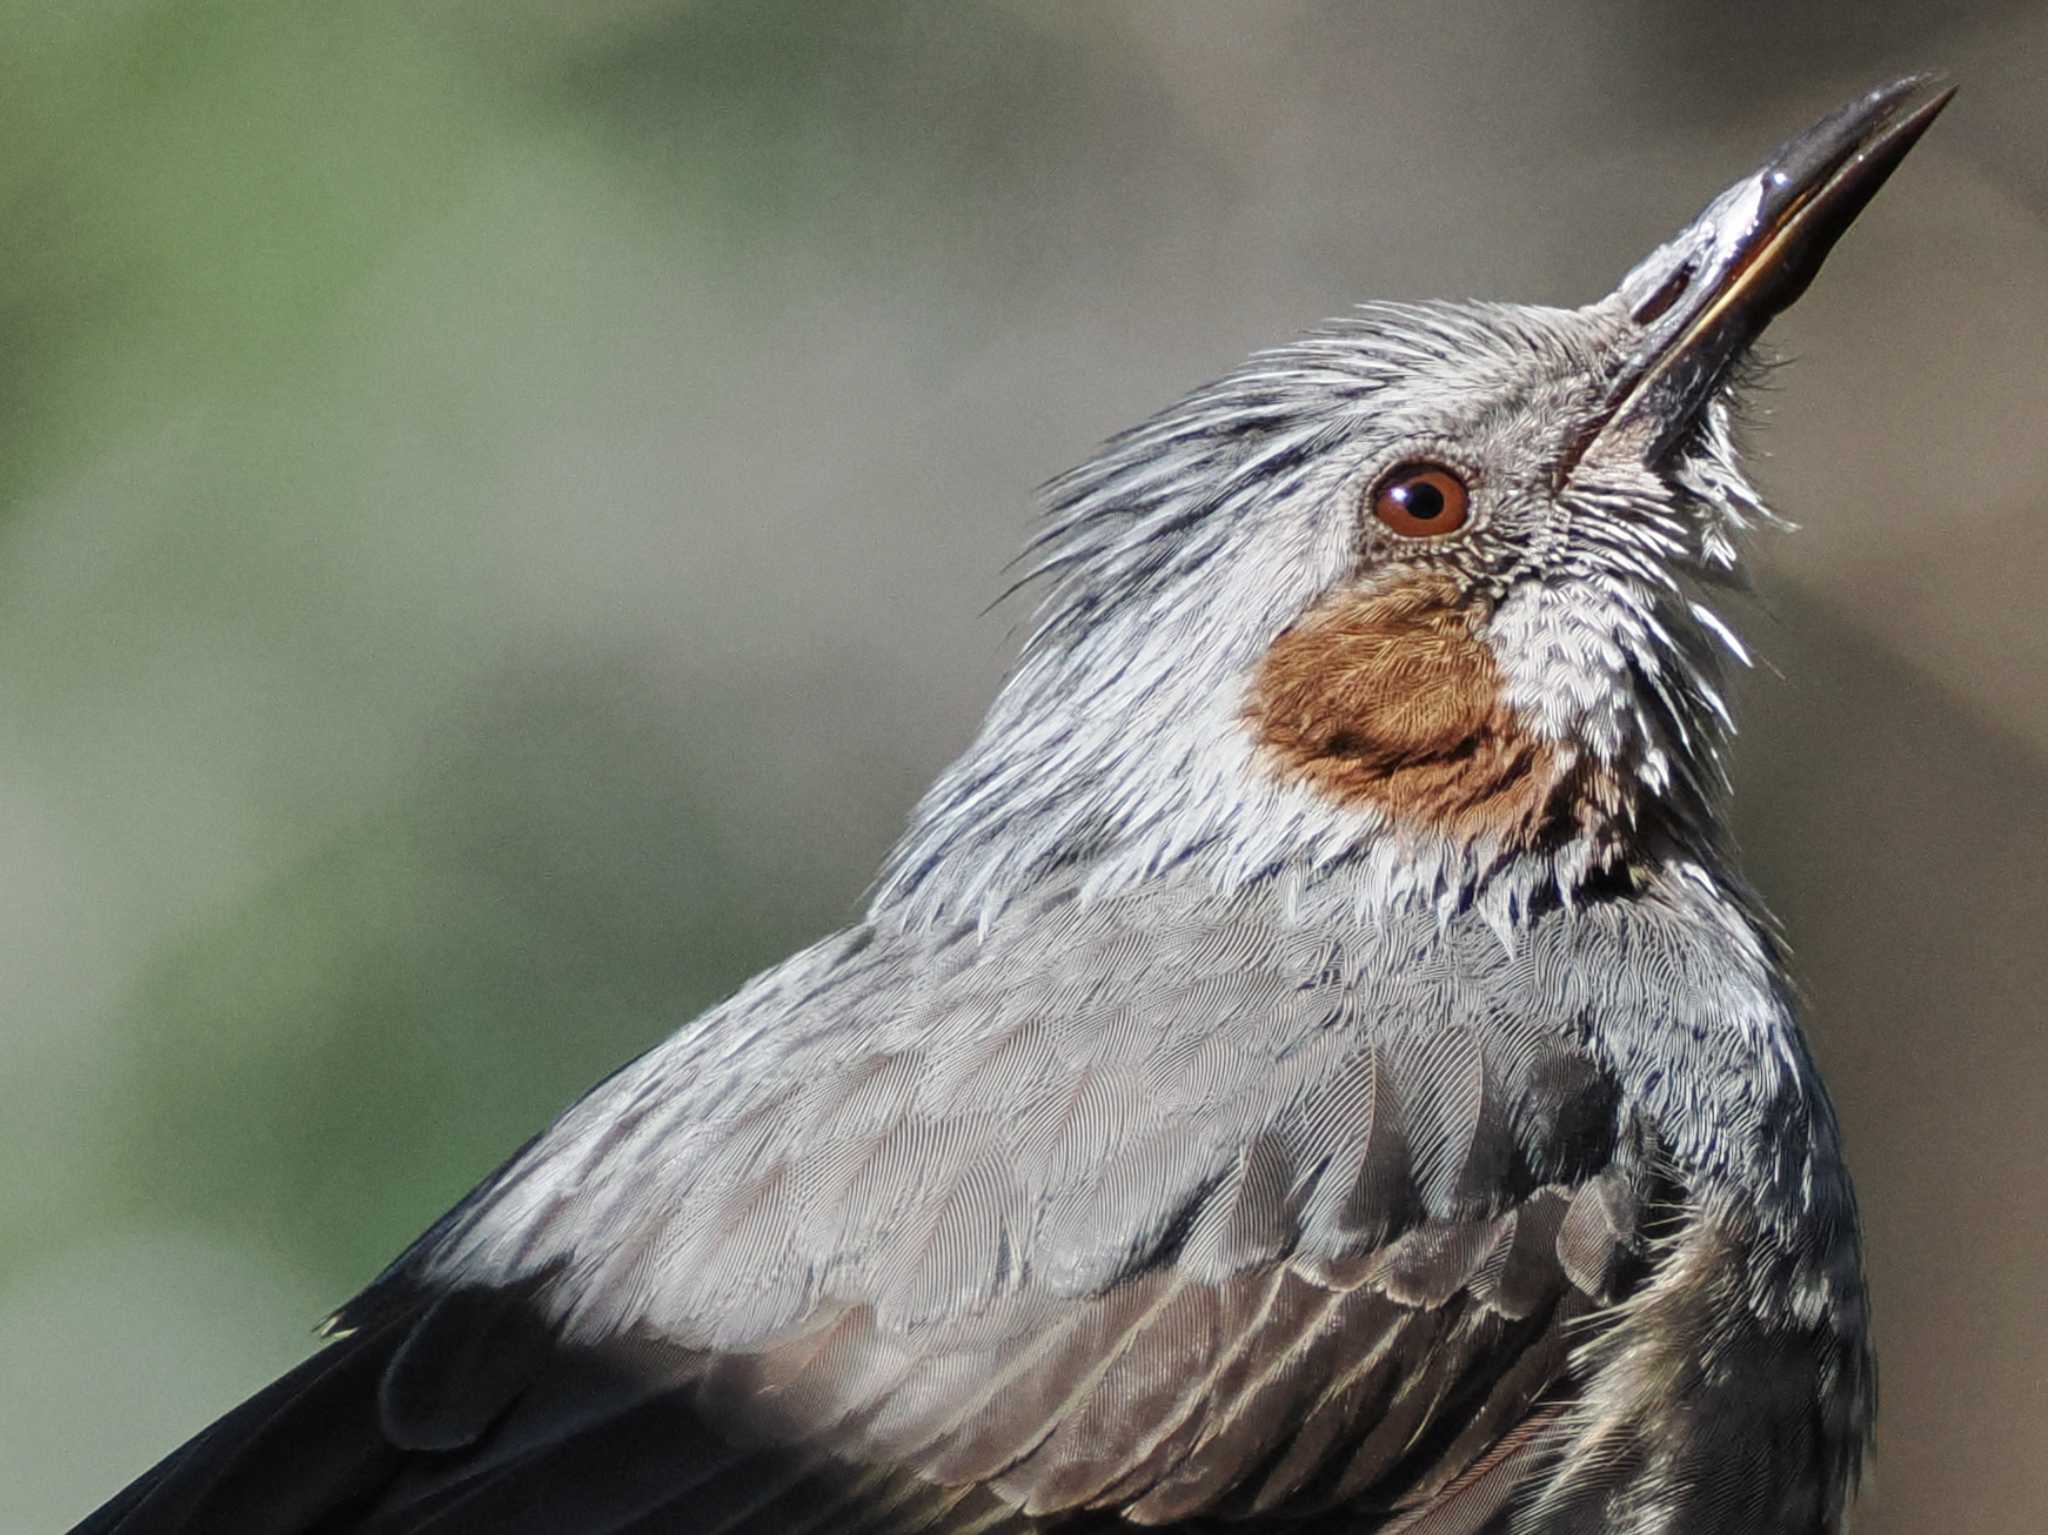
497,502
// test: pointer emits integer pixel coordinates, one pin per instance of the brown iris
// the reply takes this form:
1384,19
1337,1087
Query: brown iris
1422,500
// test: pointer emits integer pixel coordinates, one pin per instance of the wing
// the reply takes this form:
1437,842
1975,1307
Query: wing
1170,1208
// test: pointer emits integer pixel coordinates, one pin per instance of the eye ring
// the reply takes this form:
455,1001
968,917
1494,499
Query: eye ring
1422,499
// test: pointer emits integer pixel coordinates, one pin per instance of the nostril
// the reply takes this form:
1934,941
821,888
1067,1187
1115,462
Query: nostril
1657,304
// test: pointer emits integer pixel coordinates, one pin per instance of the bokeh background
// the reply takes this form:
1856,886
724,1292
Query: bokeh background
497,502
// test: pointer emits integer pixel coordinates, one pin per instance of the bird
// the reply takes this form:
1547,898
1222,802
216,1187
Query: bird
1312,1063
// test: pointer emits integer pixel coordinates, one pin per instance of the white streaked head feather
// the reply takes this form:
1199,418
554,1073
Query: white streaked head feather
1171,562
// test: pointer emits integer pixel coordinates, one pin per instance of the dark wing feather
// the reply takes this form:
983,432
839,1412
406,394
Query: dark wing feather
306,1448
1168,1208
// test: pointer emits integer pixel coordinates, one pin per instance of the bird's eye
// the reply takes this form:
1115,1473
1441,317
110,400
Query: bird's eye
1421,500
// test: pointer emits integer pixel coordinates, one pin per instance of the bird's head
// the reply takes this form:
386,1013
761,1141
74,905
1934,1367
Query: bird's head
1425,595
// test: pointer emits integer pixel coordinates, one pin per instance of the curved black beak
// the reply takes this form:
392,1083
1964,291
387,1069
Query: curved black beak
1705,296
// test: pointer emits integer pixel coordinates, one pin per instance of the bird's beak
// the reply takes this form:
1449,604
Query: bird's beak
1702,298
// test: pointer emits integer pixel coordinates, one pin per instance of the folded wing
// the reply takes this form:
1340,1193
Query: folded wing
1173,1210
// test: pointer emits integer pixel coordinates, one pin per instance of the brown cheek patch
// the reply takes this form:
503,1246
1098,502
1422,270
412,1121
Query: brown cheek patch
1390,699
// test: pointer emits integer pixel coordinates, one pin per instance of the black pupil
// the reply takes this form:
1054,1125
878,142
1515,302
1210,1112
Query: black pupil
1421,500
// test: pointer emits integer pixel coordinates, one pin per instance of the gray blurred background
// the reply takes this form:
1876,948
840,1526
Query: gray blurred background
497,502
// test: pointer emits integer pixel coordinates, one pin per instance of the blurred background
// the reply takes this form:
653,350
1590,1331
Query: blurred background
497,503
